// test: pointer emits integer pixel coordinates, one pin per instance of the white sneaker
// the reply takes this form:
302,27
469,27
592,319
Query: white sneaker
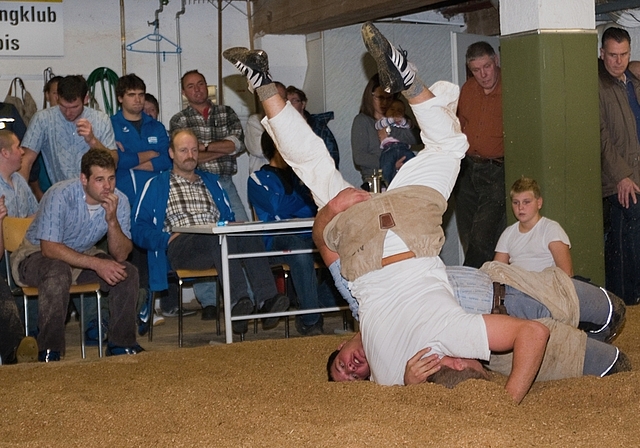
157,320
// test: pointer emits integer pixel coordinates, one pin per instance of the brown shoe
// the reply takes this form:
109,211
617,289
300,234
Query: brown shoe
27,350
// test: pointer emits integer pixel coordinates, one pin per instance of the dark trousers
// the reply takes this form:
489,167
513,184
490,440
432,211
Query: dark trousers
622,250
11,329
480,210
53,280
193,251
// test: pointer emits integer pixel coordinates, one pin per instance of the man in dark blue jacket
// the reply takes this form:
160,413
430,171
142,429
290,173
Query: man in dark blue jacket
187,197
142,141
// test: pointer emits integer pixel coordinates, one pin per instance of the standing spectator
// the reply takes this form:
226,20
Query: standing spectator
480,196
65,132
365,139
151,106
143,152
51,91
620,151
318,122
219,133
142,141
59,248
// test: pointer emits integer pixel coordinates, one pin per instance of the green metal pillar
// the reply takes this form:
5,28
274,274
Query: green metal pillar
552,133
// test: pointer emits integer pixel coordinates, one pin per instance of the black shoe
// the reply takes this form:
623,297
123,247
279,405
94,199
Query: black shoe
396,73
209,313
254,64
91,334
309,330
242,308
618,316
275,304
114,350
48,356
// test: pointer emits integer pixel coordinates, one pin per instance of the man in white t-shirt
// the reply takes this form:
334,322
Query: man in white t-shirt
534,242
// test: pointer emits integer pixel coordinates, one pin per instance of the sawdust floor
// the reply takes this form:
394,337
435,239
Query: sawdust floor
273,392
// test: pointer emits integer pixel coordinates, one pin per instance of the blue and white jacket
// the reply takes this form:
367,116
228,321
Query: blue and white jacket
148,217
152,137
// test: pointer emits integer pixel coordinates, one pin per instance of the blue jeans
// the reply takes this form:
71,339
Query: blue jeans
303,275
622,251
480,209
391,153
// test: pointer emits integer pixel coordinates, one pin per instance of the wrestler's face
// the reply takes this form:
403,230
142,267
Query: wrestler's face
99,185
485,70
351,363
525,207
464,363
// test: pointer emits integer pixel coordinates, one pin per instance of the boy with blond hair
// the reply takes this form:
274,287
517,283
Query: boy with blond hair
534,242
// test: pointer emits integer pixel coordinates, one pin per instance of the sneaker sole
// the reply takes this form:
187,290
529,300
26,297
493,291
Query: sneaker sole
280,305
241,308
260,61
27,350
379,48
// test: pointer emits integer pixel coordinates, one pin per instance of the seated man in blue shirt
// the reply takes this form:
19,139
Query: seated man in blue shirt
59,249
185,196
276,193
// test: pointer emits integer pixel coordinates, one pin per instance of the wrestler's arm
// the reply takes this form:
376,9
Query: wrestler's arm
501,257
342,201
420,367
528,340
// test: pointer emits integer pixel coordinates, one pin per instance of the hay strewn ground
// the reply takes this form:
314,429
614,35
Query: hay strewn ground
274,393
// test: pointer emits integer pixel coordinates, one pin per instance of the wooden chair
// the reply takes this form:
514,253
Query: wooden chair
187,277
14,230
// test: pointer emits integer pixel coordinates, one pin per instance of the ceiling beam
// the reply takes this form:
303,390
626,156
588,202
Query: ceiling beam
309,16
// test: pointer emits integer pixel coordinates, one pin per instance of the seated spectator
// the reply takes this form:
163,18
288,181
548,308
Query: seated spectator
59,249
143,152
276,193
394,152
319,123
17,198
185,196
534,242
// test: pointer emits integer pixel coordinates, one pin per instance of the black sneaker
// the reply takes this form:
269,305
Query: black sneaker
309,330
254,64
396,72
114,350
209,312
275,304
242,308
48,356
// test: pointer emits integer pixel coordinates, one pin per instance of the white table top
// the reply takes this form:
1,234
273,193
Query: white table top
246,227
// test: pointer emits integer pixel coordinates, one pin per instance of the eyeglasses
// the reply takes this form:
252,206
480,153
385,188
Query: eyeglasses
383,98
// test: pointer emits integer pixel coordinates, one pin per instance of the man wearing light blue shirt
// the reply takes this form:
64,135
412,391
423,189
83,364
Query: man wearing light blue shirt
59,249
65,132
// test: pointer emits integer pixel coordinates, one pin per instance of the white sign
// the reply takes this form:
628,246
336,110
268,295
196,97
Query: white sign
31,28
